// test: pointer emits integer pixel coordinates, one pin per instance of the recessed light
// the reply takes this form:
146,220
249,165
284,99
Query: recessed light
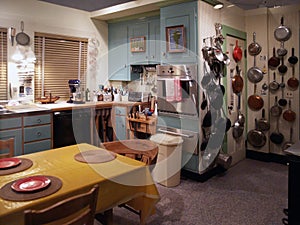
218,6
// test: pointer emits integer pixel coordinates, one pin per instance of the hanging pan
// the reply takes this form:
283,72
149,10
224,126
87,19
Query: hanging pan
274,85
276,137
255,102
237,52
282,33
276,110
282,102
237,82
289,115
289,143
262,123
254,74
281,51
293,82
293,59
274,61
282,68
238,126
21,37
254,48
256,137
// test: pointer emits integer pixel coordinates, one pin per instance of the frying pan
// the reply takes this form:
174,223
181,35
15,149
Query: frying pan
282,68
241,117
276,110
289,114
255,102
262,123
281,51
282,33
256,137
282,102
204,102
254,74
237,52
274,85
274,61
289,143
237,82
293,82
293,59
254,48
21,37
238,126
276,137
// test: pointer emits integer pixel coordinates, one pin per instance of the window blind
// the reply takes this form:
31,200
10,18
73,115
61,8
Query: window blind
3,64
58,60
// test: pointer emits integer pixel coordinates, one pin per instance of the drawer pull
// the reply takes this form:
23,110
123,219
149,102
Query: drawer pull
39,134
39,120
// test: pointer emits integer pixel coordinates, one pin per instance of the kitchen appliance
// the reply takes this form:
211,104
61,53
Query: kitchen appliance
75,94
177,89
137,96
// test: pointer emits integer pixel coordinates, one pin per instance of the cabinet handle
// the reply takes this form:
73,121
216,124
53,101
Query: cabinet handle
125,66
39,120
39,134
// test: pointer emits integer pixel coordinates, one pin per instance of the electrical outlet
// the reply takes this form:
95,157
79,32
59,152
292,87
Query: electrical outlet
289,94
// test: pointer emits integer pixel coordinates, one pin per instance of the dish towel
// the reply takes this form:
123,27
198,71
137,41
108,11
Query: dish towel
178,93
170,90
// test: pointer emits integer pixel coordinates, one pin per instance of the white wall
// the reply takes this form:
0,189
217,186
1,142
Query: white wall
49,18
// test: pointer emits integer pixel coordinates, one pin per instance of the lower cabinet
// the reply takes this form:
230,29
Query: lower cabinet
119,117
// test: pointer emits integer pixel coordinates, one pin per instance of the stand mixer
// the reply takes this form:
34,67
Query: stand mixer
75,93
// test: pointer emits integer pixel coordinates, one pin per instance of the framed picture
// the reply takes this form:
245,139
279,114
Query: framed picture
175,39
138,44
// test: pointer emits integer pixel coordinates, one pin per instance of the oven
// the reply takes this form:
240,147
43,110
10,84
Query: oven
177,89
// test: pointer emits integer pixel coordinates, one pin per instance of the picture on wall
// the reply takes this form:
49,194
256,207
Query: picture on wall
175,38
138,44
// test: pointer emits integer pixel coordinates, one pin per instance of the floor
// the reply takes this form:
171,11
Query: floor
249,193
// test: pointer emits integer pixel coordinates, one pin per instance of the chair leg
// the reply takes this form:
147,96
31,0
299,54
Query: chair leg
105,218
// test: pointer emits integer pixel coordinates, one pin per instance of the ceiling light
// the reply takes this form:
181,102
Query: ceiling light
216,4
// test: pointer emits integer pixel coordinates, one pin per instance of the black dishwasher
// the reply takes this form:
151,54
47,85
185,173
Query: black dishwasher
71,127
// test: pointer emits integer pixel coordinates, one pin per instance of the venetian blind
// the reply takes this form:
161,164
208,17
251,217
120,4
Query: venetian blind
3,64
58,60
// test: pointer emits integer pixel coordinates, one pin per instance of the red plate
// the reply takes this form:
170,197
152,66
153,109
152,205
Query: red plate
31,183
7,163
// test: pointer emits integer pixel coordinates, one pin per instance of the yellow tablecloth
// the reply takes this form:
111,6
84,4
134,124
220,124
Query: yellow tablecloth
121,180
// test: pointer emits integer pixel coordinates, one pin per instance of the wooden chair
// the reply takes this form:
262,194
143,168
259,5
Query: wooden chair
80,209
5,145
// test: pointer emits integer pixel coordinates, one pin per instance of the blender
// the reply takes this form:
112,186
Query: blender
75,93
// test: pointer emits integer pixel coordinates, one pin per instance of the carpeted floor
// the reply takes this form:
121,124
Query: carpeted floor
250,193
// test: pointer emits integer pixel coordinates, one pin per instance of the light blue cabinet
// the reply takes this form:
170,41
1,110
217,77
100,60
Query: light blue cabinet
119,115
17,135
177,15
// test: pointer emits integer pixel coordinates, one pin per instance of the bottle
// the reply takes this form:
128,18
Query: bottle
87,95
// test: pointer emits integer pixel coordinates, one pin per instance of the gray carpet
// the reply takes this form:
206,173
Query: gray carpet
249,193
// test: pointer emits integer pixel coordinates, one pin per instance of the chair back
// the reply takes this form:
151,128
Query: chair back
7,148
79,209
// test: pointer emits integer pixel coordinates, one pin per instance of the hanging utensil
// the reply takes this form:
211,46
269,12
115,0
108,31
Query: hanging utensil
262,123
289,115
237,52
282,102
254,48
289,143
276,137
282,68
293,82
255,102
237,82
274,61
238,126
276,110
204,101
256,137
274,85
282,33
21,37
281,51
293,59
254,74
241,117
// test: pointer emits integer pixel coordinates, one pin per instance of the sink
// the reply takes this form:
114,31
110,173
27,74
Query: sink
5,111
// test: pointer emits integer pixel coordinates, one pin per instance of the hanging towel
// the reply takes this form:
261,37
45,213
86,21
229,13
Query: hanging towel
170,90
178,92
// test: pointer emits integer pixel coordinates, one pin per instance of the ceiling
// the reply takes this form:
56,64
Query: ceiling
93,5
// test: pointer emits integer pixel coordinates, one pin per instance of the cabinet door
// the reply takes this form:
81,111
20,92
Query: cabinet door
17,135
154,42
37,146
120,128
118,68
182,14
138,30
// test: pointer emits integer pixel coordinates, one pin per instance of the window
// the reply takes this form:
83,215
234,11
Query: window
3,64
58,60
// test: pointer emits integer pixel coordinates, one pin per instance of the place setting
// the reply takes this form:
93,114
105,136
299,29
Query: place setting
14,165
30,188
95,156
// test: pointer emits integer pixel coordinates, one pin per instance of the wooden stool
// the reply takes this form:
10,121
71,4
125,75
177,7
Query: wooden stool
139,149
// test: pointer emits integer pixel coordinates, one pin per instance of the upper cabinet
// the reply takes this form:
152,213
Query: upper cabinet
179,33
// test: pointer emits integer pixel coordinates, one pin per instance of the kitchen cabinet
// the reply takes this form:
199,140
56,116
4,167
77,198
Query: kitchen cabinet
12,128
181,14
151,31
119,117
37,133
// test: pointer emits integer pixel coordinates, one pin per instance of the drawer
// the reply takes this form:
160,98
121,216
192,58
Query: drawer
37,133
36,120
37,146
120,110
10,123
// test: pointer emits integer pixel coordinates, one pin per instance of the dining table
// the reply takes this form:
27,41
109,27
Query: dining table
121,180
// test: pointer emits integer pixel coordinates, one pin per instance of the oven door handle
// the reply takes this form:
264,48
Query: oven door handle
172,78
175,133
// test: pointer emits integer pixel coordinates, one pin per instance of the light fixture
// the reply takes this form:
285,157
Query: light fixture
216,4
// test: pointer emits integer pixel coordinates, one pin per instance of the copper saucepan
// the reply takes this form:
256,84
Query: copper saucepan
255,102
289,114
237,82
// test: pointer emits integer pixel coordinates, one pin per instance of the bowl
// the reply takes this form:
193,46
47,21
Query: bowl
47,99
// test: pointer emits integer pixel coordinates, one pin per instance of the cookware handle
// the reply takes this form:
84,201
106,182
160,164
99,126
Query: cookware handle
175,133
